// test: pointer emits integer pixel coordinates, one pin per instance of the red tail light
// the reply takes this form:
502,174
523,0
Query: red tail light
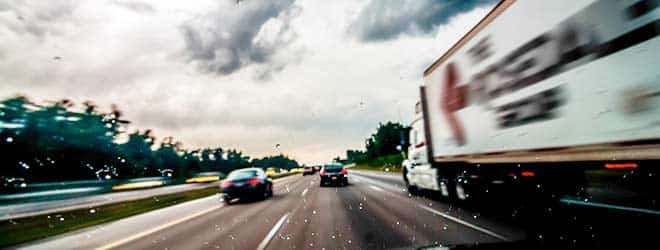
620,165
322,172
253,181
527,173
343,171
226,184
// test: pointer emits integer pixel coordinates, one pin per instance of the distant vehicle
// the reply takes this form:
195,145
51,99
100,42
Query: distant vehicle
308,170
317,168
334,173
506,111
204,177
246,183
13,184
271,172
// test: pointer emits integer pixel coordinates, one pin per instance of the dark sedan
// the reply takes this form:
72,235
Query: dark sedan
334,174
246,183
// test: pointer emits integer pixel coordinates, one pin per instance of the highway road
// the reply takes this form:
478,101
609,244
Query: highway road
13,211
373,212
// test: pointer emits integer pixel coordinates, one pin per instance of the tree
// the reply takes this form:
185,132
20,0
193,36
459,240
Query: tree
355,155
390,138
278,161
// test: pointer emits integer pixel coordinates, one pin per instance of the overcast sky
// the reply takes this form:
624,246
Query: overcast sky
314,76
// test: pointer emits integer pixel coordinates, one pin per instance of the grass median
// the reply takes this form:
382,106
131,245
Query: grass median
386,168
21,230
26,229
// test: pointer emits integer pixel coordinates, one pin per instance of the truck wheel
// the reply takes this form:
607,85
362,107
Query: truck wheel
413,190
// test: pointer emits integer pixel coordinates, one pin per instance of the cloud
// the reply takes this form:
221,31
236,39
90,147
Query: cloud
382,20
136,6
235,36
317,103
36,18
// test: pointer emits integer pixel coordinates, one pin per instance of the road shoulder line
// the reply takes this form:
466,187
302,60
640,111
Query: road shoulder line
465,223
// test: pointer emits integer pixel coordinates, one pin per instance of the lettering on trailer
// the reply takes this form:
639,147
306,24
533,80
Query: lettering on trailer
566,46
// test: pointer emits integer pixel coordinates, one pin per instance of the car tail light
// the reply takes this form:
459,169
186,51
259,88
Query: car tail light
322,172
527,173
253,181
343,171
620,165
226,184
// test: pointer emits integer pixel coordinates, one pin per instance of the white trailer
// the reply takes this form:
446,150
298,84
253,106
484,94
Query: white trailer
539,91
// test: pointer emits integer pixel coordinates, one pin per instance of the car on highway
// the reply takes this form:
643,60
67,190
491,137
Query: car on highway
334,173
308,170
245,184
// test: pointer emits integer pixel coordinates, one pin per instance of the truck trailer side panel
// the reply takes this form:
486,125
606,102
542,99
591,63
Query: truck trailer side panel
579,75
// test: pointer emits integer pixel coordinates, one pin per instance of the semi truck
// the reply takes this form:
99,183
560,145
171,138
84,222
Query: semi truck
535,96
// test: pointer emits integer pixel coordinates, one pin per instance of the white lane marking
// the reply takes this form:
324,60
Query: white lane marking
156,229
273,231
465,223
379,184
304,192
376,188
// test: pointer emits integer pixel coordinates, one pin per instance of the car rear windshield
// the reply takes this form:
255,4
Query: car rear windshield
242,174
333,167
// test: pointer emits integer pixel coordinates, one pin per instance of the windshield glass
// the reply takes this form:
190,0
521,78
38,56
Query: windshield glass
333,167
242,174
343,124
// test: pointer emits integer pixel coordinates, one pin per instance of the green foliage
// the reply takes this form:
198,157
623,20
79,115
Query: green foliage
390,138
388,160
386,146
355,155
57,141
279,161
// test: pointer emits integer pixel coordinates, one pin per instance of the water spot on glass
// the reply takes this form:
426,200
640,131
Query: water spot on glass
92,211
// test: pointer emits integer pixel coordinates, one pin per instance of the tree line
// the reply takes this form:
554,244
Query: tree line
390,138
57,141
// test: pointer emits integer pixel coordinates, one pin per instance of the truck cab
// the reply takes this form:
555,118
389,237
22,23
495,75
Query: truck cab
417,170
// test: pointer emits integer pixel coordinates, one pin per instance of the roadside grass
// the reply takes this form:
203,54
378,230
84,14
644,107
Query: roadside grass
283,175
385,168
26,229
31,228
388,163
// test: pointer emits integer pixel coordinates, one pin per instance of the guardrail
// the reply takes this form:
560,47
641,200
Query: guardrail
66,189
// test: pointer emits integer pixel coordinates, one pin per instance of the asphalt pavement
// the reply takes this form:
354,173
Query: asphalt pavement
14,211
372,212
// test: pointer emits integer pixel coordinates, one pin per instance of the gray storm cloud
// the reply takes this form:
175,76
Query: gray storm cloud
382,20
36,18
238,35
